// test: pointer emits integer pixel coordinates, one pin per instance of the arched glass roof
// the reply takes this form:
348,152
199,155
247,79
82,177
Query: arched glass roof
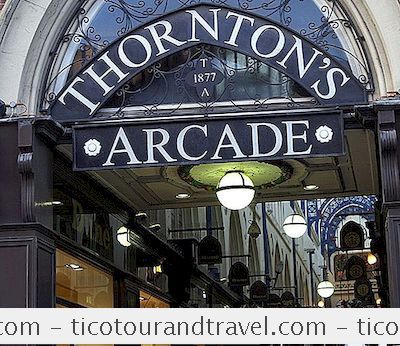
100,22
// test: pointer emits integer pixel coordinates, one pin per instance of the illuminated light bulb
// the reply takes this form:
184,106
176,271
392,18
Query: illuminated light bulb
235,190
295,226
325,289
123,236
371,259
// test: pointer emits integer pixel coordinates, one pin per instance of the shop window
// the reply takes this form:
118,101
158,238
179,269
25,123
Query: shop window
80,284
85,224
86,215
147,301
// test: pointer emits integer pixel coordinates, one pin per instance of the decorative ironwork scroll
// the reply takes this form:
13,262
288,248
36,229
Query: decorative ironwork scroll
99,23
316,71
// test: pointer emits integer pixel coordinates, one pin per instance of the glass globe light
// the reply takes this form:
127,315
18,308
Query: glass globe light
235,190
123,236
325,289
371,259
321,304
295,226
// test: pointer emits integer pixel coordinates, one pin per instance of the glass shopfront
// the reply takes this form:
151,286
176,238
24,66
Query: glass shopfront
147,301
80,284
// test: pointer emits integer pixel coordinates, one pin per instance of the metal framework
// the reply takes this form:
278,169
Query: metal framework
100,22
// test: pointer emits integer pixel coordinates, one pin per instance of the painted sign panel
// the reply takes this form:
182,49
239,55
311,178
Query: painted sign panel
277,46
214,140
210,250
239,275
343,268
288,300
274,301
363,289
259,291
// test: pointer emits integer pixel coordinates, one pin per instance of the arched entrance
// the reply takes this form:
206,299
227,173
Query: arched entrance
153,107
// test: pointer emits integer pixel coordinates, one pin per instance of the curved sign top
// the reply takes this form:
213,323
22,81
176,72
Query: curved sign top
298,58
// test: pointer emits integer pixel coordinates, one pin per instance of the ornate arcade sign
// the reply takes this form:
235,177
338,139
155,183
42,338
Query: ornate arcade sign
288,300
239,275
210,251
363,289
210,140
259,291
274,301
266,41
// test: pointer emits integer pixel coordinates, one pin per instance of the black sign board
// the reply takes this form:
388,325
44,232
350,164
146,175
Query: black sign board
274,301
259,291
210,250
363,289
211,140
275,45
239,275
356,268
288,300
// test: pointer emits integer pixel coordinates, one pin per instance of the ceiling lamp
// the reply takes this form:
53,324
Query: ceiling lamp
74,266
321,304
311,187
295,226
235,190
371,259
325,289
182,195
123,236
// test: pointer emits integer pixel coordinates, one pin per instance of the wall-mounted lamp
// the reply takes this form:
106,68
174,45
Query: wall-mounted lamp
295,226
141,218
235,190
123,236
372,259
157,269
155,228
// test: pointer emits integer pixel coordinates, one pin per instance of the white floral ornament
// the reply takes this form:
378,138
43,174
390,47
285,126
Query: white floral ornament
324,134
92,147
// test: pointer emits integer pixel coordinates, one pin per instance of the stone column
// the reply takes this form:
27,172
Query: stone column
27,266
390,185
27,246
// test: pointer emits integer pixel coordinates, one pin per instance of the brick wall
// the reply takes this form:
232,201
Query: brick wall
2,2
